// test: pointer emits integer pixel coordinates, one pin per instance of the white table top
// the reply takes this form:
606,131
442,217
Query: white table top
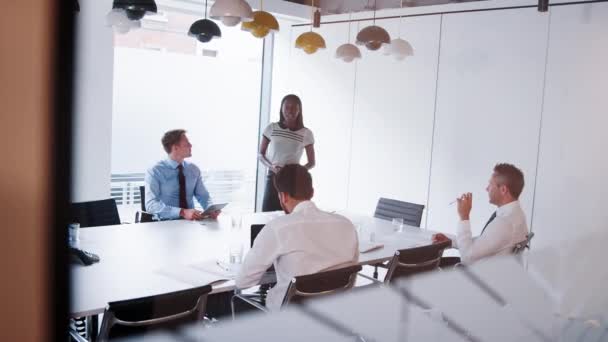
134,256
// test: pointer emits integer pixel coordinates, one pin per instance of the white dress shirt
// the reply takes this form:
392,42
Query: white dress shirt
500,236
304,242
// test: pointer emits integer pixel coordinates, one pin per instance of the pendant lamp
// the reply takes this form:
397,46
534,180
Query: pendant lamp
120,22
204,29
262,24
348,52
231,12
399,48
135,9
373,36
310,41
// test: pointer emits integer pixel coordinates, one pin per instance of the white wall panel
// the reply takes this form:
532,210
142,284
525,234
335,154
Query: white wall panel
325,86
393,118
572,182
489,101
92,130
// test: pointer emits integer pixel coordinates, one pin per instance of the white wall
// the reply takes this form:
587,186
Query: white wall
572,182
325,86
490,92
488,108
91,153
393,118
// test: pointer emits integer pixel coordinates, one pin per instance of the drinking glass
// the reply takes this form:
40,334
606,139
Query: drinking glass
398,224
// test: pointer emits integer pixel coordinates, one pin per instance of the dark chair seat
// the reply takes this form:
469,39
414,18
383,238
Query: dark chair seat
310,286
166,311
411,261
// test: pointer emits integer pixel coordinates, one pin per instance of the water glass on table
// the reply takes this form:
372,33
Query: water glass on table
398,224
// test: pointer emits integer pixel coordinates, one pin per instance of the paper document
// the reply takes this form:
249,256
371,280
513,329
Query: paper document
365,247
217,268
190,275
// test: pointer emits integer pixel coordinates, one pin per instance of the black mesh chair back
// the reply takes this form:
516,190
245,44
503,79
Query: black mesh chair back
142,217
407,262
321,284
95,213
522,245
141,315
388,209
142,197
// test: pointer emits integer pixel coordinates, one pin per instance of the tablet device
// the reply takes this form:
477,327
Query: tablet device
214,207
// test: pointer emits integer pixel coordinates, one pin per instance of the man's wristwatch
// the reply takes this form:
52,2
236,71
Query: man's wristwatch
181,212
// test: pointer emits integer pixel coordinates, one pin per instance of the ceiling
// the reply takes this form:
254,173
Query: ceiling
347,6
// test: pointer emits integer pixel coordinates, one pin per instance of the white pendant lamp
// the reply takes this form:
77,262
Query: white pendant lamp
399,48
231,12
348,52
118,19
373,37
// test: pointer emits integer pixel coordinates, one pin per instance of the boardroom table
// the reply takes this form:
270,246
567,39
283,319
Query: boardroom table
135,258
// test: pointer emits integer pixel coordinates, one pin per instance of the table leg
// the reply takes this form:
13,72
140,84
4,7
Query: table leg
93,327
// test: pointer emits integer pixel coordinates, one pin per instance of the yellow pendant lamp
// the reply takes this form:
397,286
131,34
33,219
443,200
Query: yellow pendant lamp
310,41
262,24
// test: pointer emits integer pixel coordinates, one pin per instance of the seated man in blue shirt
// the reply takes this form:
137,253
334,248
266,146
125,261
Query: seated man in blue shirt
172,183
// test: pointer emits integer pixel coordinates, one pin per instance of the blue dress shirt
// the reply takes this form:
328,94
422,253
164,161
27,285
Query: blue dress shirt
162,189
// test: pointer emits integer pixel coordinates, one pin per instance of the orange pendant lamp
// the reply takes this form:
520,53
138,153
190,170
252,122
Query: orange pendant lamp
311,41
262,24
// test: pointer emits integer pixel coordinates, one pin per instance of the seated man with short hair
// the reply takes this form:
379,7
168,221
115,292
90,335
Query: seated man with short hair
505,228
305,241
172,183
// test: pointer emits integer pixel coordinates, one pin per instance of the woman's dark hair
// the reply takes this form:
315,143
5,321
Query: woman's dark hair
300,123
295,180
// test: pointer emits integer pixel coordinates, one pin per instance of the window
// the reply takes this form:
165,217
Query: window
164,79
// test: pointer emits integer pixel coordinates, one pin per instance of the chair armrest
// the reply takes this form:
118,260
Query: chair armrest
246,299
75,336
369,278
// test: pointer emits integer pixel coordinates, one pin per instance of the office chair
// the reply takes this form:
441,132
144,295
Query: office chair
165,311
522,245
388,209
407,262
449,262
310,286
95,213
142,197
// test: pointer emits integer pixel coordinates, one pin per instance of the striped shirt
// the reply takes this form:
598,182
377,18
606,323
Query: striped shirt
286,146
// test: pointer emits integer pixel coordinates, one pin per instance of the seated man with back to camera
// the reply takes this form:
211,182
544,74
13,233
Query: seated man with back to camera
506,227
305,241
172,183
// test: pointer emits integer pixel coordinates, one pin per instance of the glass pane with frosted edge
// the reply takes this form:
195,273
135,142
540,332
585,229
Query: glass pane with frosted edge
165,79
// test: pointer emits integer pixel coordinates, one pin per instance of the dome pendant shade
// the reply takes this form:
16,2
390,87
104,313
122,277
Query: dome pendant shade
231,12
204,30
373,37
399,49
310,42
262,24
348,52
135,9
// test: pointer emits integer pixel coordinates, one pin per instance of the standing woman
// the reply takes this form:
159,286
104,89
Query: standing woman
283,143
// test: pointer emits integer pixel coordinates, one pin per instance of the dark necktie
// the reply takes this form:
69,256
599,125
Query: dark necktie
182,187
487,223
